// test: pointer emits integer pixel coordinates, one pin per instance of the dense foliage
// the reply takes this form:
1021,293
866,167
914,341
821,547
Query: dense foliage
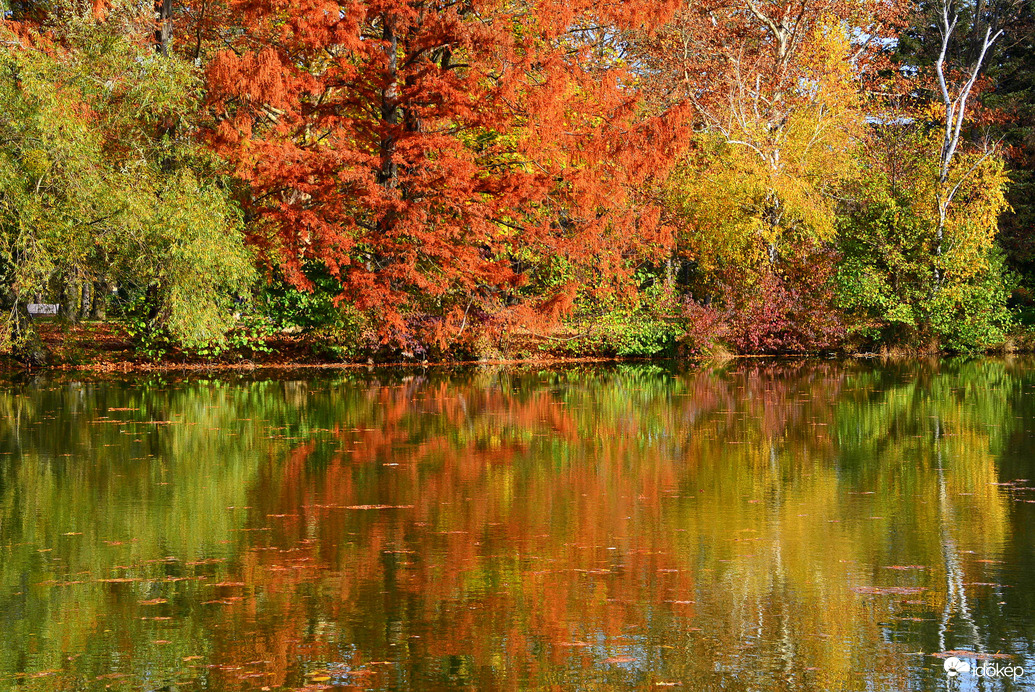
101,188
440,179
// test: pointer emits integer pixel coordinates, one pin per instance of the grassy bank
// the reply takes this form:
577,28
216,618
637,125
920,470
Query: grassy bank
109,346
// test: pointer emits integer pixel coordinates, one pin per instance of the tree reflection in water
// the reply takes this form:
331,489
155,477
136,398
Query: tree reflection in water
794,525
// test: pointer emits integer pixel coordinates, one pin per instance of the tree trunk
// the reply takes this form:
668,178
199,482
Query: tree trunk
26,346
164,27
72,297
86,301
390,115
101,292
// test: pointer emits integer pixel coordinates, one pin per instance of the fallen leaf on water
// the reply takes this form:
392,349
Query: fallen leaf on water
903,567
379,507
883,590
45,673
620,659
959,653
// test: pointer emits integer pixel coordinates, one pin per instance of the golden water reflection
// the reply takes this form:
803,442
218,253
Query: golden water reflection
795,525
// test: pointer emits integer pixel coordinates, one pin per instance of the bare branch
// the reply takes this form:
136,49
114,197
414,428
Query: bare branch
956,106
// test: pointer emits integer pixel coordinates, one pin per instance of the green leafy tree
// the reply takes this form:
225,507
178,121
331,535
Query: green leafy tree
887,241
100,183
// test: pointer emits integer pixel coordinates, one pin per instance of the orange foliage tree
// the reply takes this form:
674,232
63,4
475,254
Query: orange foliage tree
433,156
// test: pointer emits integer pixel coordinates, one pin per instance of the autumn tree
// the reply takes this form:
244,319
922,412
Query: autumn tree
434,157
95,188
920,261
887,235
998,106
775,89
954,101
778,96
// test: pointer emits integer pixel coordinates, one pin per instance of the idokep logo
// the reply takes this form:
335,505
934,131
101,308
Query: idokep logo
955,666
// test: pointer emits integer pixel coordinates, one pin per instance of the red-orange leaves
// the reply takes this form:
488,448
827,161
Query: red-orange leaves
429,153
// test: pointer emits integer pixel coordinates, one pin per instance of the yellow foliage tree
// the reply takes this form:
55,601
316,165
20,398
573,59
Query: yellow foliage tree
768,165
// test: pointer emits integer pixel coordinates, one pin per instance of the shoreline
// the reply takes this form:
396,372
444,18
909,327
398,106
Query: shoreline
11,366
105,348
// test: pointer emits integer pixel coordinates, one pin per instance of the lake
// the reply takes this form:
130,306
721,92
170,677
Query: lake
760,525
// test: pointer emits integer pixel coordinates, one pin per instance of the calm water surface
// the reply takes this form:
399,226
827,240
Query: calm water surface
760,526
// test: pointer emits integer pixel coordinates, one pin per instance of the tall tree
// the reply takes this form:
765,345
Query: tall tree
431,154
776,85
96,189
163,25
974,52
954,100
1011,100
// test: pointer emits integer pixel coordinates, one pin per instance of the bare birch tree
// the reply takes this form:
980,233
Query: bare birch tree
955,104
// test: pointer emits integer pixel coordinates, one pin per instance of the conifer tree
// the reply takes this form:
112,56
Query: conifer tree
431,154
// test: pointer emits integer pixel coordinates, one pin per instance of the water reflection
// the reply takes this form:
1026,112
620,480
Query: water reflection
758,526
